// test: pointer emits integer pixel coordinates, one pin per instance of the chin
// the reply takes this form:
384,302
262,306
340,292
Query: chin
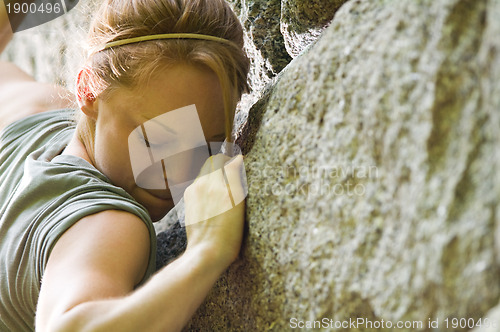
157,207
158,213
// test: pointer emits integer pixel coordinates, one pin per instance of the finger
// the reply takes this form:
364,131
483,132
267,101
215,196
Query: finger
207,198
235,177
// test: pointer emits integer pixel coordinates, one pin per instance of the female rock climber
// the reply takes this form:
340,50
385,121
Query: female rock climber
77,244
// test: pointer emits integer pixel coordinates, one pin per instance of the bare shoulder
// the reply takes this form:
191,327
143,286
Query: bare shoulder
104,255
111,237
21,95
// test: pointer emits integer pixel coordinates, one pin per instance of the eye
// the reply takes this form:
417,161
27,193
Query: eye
153,144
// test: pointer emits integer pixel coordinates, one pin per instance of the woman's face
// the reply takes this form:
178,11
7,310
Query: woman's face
128,111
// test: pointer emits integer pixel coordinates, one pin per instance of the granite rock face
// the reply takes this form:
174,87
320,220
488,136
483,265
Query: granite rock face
275,32
264,45
303,21
373,165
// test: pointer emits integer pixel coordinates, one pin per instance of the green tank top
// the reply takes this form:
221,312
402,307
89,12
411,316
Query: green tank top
42,194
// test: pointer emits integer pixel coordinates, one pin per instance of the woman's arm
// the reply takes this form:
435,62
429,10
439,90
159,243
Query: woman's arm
91,273
89,280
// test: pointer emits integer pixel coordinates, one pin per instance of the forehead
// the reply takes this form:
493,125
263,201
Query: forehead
171,88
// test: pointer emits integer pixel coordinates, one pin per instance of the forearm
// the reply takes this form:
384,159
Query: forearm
165,303
5,29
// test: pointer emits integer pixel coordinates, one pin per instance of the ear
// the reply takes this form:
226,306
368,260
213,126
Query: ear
86,99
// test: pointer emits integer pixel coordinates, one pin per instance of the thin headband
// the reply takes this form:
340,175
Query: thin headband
166,36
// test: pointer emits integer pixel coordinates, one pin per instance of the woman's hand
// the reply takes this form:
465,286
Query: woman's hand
215,209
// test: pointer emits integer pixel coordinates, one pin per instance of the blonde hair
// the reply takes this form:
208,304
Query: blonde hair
131,65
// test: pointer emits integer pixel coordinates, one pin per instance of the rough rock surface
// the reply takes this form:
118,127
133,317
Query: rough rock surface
302,21
374,173
275,32
264,45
